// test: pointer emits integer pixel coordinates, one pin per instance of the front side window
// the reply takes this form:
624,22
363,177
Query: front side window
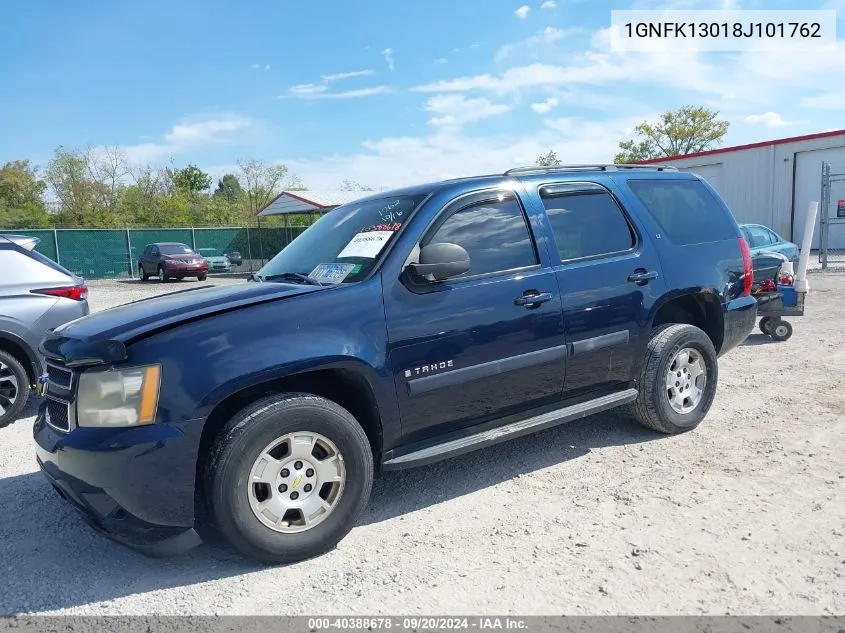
759,236
495,234
344,245
588,224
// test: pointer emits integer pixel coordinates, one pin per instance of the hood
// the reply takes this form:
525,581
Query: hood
102,337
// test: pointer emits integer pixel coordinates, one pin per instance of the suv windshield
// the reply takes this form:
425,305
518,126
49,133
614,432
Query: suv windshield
209,252
343,246
175,249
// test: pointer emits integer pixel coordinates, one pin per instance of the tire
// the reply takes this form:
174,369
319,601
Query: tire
144,276
781,331
766,325
230,475
202,277
162,276
653,408
14,388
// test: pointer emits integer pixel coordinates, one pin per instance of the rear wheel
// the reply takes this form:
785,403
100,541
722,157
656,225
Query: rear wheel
14,388
766,325
678,379
288,478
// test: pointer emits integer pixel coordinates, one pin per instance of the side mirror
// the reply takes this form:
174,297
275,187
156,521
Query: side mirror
441,261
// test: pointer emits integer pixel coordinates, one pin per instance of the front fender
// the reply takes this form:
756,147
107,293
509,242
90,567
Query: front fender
205,361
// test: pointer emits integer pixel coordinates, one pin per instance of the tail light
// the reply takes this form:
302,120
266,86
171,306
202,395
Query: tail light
77,293
748,267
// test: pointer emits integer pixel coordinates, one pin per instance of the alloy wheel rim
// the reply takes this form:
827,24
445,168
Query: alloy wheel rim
686,378
8,388
296,482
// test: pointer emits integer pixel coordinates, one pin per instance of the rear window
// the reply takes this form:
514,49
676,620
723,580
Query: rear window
43,259
686,210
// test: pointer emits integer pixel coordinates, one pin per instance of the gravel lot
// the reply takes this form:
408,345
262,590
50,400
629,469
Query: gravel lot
745,515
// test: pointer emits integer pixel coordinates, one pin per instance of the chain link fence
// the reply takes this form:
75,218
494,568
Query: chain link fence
114,253
832,218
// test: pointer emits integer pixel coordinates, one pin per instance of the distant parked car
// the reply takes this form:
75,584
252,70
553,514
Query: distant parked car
763,241
217,261
36,296
171,260
235,258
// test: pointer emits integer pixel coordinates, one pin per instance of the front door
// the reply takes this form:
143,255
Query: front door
487,343
610,280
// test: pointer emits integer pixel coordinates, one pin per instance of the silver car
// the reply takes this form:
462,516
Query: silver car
36,295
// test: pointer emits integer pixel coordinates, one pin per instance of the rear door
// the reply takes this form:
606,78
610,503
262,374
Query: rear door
609,277
487,343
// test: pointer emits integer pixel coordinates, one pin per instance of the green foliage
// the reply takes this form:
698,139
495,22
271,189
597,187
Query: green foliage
352,185
549,159
21,196
686,130
98,187
190,180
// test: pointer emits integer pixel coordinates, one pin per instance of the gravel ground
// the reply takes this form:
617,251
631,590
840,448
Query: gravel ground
745,515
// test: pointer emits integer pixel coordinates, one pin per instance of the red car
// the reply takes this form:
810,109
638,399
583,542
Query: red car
171,260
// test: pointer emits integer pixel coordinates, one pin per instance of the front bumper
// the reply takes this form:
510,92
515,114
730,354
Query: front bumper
133,485
185,270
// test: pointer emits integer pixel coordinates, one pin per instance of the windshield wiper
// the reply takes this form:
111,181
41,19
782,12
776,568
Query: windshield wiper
292,277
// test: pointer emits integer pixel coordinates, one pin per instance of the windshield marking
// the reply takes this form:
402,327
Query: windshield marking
368,244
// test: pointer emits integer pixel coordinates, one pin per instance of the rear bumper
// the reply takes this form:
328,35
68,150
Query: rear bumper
131,485
740,318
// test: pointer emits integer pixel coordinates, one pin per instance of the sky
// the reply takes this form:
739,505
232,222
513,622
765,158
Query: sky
382,92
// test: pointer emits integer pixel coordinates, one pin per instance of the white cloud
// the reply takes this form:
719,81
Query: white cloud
388,57
320,90
255,66
398,161
548,4
533,44
267,67
194,133
829,101
545,106
350,94
522,12
769,119
440,61
456,110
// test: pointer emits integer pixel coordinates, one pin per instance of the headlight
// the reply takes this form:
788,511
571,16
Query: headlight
118,397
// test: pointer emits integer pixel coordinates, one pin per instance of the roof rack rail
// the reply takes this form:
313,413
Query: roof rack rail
531,169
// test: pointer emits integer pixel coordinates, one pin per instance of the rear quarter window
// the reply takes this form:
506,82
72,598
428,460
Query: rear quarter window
687,212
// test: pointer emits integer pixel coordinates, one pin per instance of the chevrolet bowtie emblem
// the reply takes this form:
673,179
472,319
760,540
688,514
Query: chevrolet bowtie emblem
296,481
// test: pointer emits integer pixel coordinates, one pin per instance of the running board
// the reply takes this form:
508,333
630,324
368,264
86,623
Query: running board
483,439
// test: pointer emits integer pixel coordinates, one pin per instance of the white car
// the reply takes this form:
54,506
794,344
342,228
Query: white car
217,261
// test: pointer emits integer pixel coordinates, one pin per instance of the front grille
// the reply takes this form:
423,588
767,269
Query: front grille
60,395
60,376
57,414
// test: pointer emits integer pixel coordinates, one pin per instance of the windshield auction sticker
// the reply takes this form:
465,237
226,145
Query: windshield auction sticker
367,244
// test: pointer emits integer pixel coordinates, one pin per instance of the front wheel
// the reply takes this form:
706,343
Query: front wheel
202,277
144,276
288,478
766,325
14,388
781,331
678,379
162,276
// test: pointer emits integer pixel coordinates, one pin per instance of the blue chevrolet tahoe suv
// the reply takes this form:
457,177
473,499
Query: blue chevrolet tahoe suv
399,329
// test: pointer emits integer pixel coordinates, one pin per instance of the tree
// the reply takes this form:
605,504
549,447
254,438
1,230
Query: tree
261,183
21,196
549,159
228,189
190,180
687,130
70,179
352,185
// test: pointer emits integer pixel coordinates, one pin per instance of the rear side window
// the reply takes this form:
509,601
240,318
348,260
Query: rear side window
685,210
587,224
758,236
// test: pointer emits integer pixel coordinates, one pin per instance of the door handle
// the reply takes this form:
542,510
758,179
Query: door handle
642,276
533,299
